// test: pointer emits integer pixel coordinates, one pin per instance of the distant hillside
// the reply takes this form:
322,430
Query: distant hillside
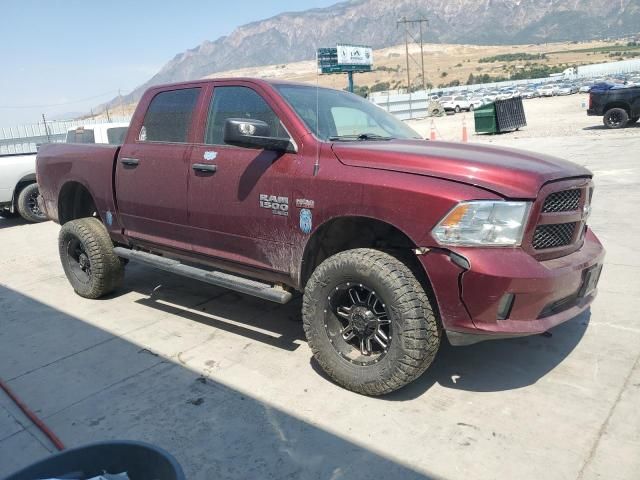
290,37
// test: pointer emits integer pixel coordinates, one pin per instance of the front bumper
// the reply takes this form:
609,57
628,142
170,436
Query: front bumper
545,293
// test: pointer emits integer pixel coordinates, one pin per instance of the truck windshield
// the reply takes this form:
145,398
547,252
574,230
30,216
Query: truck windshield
340,116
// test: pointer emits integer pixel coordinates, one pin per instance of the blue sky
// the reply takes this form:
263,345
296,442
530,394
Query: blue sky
58,52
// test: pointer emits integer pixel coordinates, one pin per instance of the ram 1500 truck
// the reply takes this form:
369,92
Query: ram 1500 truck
273,188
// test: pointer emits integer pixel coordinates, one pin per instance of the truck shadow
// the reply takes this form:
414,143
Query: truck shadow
89,384
272,324
602,127
15,221
499,365
491,366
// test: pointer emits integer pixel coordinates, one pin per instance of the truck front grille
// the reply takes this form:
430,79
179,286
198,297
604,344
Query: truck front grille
554,235
564,201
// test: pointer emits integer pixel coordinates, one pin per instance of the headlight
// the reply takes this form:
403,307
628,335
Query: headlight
483,223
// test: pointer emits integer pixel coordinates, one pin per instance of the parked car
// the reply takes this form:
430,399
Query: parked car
619,107
547,91
476,102
530,93
566,89
456,104
18,187
585,88
270,201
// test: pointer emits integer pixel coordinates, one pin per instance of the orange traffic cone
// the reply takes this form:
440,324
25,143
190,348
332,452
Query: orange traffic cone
433,130
465,134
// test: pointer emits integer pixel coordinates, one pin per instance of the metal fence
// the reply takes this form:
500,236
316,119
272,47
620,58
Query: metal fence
26,138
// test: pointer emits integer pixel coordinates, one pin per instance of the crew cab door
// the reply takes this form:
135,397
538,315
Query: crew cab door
228,182
152,170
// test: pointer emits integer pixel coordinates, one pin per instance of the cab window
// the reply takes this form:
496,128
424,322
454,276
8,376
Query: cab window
239,102
169,116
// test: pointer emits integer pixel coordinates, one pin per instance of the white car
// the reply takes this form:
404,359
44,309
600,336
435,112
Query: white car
547,91
109,133
476,102
18,187
456,104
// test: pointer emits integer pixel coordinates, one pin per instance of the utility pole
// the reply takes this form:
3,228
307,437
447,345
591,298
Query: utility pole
46,128
424,80
420,21
121,103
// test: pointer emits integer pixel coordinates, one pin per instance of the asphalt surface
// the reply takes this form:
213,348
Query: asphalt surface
226,382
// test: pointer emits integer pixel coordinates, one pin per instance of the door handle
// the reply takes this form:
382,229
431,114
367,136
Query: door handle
204,167
130,162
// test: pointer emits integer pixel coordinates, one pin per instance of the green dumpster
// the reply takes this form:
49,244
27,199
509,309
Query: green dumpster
485,118
501,116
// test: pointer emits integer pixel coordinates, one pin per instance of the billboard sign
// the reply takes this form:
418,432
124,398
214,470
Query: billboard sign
329,59
355,55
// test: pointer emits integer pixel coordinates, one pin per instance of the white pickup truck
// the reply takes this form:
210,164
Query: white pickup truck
18,187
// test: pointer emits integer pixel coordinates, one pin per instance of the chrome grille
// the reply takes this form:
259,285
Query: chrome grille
564,201
554,235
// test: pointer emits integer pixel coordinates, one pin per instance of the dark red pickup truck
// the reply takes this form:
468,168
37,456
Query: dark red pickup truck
269,188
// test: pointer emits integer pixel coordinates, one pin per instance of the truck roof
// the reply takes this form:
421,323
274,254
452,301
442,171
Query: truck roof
204,81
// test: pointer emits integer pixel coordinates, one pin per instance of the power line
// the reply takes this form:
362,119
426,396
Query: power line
60,104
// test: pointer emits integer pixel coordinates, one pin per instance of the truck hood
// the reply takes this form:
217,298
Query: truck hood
508,172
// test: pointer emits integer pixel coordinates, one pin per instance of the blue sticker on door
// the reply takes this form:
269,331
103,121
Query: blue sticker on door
306,220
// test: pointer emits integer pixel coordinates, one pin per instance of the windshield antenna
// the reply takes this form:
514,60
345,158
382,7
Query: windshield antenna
316,165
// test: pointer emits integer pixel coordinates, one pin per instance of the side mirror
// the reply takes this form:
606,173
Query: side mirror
249,133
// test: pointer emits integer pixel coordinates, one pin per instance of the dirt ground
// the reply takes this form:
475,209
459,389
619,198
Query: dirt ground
227,383
564,116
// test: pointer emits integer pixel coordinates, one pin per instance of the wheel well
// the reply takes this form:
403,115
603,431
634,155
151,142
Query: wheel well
624,106
24,181
354,232
75,202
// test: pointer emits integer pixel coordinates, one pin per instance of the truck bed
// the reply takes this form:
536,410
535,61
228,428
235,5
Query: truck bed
88,164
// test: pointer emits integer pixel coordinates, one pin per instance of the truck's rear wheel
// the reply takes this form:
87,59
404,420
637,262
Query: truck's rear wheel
616,118
28,207
369,321
86,253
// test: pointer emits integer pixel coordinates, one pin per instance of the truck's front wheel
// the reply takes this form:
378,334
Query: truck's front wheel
369,321
86,253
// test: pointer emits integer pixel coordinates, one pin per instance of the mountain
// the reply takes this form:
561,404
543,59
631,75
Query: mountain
291,37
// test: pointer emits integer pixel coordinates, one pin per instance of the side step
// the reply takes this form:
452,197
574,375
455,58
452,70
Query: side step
225,280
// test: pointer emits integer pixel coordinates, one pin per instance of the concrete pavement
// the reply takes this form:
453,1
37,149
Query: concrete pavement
226,382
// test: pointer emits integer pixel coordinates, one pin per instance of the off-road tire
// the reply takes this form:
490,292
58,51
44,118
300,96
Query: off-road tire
457,109
106,268
26,207
416,332
615,118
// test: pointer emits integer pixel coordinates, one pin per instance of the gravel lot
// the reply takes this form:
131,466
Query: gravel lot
226,382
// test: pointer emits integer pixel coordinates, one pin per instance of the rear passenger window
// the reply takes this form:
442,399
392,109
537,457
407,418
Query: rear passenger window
169,116
239,102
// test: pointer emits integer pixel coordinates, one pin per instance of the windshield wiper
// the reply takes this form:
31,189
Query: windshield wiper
359,136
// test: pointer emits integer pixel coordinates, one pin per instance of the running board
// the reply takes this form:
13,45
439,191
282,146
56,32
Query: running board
225,280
